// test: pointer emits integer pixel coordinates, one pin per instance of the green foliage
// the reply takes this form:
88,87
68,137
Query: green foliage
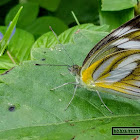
49,40
110,14
91,129
50,5
5,40
27,88
17,49
88,12
115,19
2,2
29,109
117,5
28,14
41,25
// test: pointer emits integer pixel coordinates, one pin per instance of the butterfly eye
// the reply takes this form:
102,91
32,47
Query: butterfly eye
72,70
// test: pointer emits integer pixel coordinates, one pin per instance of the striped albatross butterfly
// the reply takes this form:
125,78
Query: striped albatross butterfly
113,64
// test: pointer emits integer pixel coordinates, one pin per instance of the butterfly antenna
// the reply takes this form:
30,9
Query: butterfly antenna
61,44
62,85
72,97
51,65
103,102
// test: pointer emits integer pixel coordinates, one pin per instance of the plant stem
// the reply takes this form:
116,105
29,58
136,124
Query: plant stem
75,18
10,56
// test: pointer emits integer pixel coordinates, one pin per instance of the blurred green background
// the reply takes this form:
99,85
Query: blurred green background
38,15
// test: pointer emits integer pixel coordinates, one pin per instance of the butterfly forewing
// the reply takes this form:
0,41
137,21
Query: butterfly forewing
126,37
114,63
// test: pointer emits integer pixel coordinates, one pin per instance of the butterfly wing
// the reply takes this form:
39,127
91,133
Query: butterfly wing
119,72
114,63
125,37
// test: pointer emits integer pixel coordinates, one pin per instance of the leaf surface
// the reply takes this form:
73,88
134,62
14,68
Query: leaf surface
39,113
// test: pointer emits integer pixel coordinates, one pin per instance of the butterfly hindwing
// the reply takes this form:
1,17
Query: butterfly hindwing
122,76
118,71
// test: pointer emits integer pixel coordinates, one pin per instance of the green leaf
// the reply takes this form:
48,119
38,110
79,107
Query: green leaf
137,8
68,35
5,64
50,5
93,129
117,5
2,2
48,40
4,42
28,15
93,36
116,18
84,11
41,25
39,113
19,47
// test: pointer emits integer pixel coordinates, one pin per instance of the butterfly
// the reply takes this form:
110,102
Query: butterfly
113,64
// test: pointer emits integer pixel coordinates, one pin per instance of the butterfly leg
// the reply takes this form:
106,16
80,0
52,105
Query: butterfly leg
103,102
63,85
72,96
63,74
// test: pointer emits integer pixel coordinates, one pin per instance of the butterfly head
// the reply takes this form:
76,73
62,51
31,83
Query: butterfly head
74,70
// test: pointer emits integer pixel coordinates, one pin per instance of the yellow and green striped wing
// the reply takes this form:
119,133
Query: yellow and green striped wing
119,72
